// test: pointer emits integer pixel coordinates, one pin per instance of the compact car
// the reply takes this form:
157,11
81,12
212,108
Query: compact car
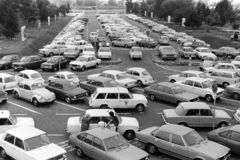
167,52
65,75
104,53
135,52
53,63
6,61
83,62
187,52
29,75
7,82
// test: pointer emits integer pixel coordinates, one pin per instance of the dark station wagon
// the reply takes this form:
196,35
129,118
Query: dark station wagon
6,61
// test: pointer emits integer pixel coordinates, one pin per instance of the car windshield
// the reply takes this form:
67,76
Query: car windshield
193,138
53,60
206,84
104,50
115,142
25,59
178,90
69,86
202,75
71,76
121,76
179,110
110,83
6,58
137,50
145,73
37,142
9,79
164,38
237,59
36,75
70,50
189,50
82,59
168,49
13,119
37,86
88,49
205,50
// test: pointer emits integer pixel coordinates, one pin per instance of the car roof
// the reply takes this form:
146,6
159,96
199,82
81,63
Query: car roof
29,71
100,79
197,79
65,72
25,132
61,81
193,71
194,105
4,75
31,56
168,84
86,56
29,82
112,89
99,112
4,113
112,71
222,70
137,69
102,133
177,129
202,48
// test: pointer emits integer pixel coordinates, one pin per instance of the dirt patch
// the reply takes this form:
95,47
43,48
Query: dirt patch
35,39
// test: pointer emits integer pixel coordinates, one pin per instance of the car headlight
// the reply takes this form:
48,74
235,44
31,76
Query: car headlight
75,97
49,66
146,158
79,66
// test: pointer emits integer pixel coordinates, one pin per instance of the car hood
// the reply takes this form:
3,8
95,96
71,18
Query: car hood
128,153
188,96
4,62
175,75
77,62
46,94
221,114
129,121
139,97
204,147
25,121
48,64
47,152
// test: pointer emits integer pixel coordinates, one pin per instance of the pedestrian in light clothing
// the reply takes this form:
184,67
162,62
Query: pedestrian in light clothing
85,121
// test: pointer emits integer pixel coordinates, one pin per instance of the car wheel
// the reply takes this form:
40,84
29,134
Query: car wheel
113,44
96,65
152,149
55,69
72,69
51,54
79,152
152,97
6,67
16,95
172,81
140,107
68,99
183,124
126,46
35,102
129,135
3,153
236,96
208,98
222,124
225,84
139,82
83,68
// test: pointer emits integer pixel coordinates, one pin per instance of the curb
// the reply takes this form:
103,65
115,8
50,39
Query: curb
117,61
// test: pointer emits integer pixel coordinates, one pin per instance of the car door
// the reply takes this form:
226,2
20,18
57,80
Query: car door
188,86
5,124
8,144
162,141
158,91
206,118
39,61
233,141
89,62
192,117
125,101
197,89
92,85
58,87
98,150
129,73
26,92
18,149
178,147
168,95
87,146
112,100
215,75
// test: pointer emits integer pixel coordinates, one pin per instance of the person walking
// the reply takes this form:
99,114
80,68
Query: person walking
85,121
114,119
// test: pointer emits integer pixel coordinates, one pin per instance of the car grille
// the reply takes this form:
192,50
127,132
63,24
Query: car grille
16,65
219,93
81,95
170,55
56,158
73,65
226,157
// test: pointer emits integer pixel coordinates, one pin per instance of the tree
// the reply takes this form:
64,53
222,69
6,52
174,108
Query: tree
193,20
63,10
68,6
129,6
181,13
157,6
136,8
43,9
143,8
213,19
112,3
90,2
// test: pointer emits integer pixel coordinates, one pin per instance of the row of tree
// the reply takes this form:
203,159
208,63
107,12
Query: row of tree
12,11
97,2
195,13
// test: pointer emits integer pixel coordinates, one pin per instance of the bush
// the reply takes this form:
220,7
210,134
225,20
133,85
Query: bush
235,25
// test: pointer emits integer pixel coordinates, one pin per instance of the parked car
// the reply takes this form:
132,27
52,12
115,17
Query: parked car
196,114
29,143
120,77
185,143
53,63
29,75
128,126
34,92
83,62
51,50
233,90
3,96
236,61
88,50
7,82
236,115
65,75
103,41
187,52
222,66
201,87
167,52
163,40
185,39
135,52
197,43
203,52
71,53
123,42
141,75
78,45
6,61
227,136
106,145
117,98
146,42
226,51
93,83
93,35
9,121
104,52
28,62
66,90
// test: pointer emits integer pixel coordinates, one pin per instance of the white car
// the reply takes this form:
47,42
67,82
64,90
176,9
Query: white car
29,75
93,35
236,61
88,50
83,62
76,44
65,75
128,126
7,82
34,92
8,121
51,50
72,53
141,75
201,87
223,66
120,77
104,52
202,52
29,143
135,52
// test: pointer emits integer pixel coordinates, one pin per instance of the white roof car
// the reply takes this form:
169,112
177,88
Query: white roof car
29,143
236,61
202,52
29,75
85,61
65,75
93,35
128,126
223,66
88,50
104,52
7,82
135,52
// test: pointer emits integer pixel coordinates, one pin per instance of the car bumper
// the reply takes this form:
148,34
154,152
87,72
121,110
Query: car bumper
46,100
131,86
104,56
78,98
3,99
18,68
136,56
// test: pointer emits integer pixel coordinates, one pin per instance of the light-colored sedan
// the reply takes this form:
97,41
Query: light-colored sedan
51,50
135,52
29,75
167,52
83,62
7,82
123,42
202,52
65,75
187,52
236,61
71,53
104,53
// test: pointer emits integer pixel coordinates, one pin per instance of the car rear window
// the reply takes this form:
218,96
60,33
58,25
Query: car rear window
168,49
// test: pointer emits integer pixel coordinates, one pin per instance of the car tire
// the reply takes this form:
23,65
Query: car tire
139,82
152,149
79,152
172,81
140,107
236,96
68,99
16,95
129,135
55,69
113,44
225,84
3,153
208,98
83,68
152,97
96,65
126,46
6,67
51,54
222,124
35,102
72,69
183,124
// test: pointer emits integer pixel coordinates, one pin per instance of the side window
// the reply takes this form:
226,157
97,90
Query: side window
124,96
94,120
52,84
27,87
193,112
89,139
9,138
3,121
160,88
101,96
190,83
205,112
20,75
228,75
21,85
99,84
111,76
176,139
1,80
224,134
191,75
167,90
92,82
58,86
81,136
184,75
112,96
197,84
229,67
215,74
62,77
129,72
19,143
222,67
25,76
235,136
98,143
136,74
103,75
165,136
57,76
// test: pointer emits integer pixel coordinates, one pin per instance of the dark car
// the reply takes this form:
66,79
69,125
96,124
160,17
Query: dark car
6,61
53,63
92,84
67,90
28,62
228,136
170,92
3,96
233,90
147,43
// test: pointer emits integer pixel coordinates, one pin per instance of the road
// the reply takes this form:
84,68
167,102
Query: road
52,118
